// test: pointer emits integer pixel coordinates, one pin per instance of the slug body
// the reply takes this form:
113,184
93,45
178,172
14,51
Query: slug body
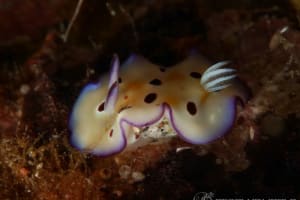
197,99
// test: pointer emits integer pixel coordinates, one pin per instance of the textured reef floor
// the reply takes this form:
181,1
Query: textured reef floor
41,76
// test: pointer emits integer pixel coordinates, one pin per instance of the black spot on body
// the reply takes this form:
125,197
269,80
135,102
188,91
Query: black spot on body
149,98
155,82
111,132
101,107
119,80
191,108
162,69
196,75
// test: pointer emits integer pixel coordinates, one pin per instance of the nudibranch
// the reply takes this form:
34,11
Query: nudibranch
198,100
